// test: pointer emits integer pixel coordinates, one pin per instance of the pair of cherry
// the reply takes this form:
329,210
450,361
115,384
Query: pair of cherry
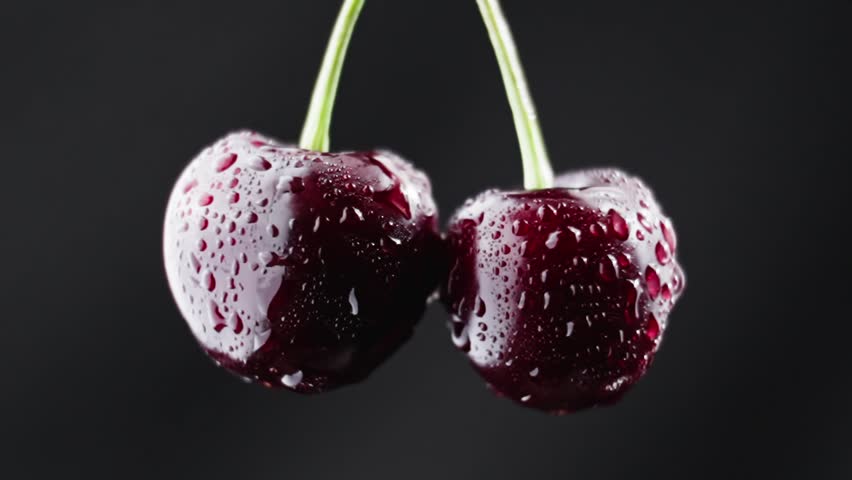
303,269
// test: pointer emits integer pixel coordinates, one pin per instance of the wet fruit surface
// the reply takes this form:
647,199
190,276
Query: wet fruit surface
560,297
299,269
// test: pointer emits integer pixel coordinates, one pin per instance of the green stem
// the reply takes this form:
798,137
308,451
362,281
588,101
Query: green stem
315,132
538,173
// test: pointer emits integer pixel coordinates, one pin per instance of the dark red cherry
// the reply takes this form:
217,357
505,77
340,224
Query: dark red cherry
560,297
300,269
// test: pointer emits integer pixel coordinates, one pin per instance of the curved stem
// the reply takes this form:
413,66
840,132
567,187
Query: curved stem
315,132
538,173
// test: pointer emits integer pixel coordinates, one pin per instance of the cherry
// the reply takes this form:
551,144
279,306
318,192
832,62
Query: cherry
560,293
560,296
297,268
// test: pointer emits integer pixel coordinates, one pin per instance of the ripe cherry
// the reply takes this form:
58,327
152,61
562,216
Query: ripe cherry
560,293
560,296
297,268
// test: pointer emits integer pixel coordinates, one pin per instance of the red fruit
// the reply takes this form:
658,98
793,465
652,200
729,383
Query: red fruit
300,269
560,297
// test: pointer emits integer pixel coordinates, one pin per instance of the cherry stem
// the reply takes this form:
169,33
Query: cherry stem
538,173
315,133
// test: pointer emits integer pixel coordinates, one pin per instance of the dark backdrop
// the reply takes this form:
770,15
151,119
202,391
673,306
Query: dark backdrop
736,112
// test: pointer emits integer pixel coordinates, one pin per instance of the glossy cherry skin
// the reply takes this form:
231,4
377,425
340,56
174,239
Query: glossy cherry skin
299,269
560,297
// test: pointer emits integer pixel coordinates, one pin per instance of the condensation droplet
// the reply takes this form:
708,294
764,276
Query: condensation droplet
652,282
205,199
575,232
189,186
669,235
225,162
644,222
663,255
608,268
235,323
196,265
520,227
552,240
259,163
208,280
677,280
214,315
353,302
619,226
480,307
631,307
292,380
653,329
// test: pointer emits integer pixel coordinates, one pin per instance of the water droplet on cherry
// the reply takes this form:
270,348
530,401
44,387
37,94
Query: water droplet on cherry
292,380
224,162
552,240
652,281
662,253
205,199
259,163
353,302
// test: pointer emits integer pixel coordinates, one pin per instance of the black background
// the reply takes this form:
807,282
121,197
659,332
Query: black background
736,112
